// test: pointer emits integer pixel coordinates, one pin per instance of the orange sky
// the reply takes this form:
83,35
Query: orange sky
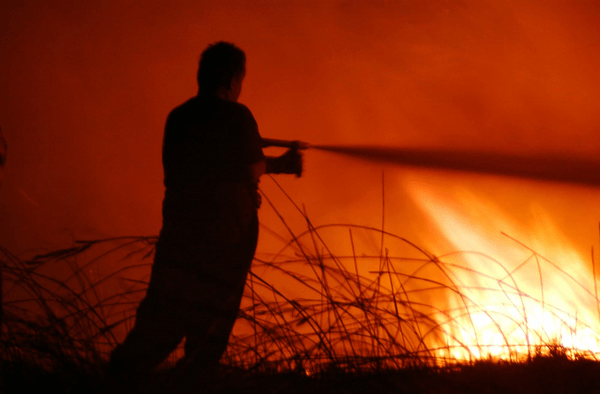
86,87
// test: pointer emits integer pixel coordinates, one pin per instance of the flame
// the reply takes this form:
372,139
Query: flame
527,287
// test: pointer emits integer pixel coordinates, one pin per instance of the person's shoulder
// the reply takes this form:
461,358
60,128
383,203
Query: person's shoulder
241,113
184,107
237,108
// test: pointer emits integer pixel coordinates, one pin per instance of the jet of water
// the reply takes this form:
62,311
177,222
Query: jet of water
541,167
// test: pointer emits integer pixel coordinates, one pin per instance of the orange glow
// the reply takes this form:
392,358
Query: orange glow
560,305
86,88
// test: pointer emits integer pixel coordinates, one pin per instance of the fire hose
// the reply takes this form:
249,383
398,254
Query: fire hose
546,167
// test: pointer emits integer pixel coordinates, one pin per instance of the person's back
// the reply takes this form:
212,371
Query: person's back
209,140
208,149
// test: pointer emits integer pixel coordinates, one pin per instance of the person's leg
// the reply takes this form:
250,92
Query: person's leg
207,339
155,335
220,294
157,330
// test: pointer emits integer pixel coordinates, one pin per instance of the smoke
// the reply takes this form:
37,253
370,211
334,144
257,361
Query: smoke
86,88
553,168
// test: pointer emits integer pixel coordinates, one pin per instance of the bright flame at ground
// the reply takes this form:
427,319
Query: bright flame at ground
522,291
345,295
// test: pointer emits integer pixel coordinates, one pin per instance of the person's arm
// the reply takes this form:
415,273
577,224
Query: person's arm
258,169
288,163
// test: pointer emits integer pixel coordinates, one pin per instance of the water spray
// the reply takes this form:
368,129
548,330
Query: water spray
558,168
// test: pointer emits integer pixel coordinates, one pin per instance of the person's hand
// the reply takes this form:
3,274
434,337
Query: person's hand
291,162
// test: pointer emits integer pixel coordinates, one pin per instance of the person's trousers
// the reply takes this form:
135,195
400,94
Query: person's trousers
197,300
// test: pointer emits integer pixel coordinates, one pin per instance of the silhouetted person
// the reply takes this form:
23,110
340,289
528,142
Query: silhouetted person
212,160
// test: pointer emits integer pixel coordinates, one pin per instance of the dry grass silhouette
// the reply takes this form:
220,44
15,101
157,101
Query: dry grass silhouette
307,310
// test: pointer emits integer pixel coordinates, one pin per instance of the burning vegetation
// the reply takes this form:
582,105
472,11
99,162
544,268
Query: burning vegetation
418,298
328,305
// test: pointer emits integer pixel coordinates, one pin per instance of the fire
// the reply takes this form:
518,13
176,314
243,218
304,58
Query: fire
523,290
357,297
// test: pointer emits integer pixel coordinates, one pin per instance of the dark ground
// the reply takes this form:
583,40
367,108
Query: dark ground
539,375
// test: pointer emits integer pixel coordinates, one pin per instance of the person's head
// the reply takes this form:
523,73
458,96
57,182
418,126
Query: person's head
221,71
